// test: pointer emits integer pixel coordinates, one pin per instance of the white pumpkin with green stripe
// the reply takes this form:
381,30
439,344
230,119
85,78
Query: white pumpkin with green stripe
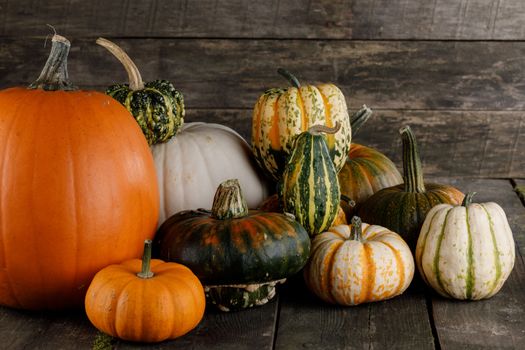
467,251
309,188
280,115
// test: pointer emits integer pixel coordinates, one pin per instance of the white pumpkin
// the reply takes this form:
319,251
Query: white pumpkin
192,164
466,251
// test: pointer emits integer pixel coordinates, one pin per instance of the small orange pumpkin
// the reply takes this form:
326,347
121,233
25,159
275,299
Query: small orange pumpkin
146,301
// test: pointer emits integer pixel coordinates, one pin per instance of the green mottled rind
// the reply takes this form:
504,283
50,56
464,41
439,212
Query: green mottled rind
235,297
158,108
309,188
404,212
259,247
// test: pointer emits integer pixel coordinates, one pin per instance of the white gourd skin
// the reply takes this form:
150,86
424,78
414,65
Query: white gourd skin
445,264
192,164
350,272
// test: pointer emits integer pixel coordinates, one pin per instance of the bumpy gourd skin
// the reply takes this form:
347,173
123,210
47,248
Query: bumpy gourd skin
158,108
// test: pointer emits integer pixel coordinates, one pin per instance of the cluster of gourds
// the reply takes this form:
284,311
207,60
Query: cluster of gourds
83,194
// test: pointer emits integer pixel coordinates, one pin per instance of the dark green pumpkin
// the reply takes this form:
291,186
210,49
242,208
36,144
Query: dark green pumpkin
403,208
231,247
157,106
309,188
366,170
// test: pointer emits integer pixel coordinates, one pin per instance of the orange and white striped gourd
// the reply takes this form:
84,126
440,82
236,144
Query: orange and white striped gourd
280,115
358,263
467,251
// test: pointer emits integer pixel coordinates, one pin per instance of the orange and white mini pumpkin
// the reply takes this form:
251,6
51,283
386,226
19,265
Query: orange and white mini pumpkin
358,263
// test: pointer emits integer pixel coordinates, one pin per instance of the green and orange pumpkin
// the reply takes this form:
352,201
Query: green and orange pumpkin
403,208
239,255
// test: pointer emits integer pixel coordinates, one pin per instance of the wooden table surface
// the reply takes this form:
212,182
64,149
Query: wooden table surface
418,319
452,70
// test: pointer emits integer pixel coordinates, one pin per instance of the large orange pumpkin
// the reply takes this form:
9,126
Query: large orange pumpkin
78,188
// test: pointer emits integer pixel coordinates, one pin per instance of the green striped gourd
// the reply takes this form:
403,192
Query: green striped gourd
281,114
403,208
239,255
309,188
466,251
157,106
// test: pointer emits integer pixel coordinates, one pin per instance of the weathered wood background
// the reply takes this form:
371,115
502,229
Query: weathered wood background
451,69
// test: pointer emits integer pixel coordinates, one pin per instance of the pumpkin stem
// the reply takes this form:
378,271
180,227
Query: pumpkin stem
318,129
356,232
468,199
54,76
412,172
348,200
229,202
146,261
134,77
359,118
290,77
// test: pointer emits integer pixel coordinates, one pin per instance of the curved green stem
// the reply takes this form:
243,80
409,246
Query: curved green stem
54,76
146,261
348,200
229,202
468,199
356,232
323,129
290,77
359,118
412,172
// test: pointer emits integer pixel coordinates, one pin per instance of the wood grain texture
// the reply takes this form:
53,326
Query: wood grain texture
324,19
498,322
34,330
452,143
306,322
518,214
247,329
233,73
250,329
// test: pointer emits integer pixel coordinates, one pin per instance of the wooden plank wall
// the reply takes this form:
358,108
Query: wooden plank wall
451,69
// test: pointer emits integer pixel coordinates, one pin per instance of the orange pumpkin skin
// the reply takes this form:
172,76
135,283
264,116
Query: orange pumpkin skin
78,192
365,172
165,306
